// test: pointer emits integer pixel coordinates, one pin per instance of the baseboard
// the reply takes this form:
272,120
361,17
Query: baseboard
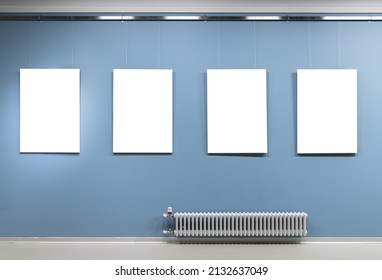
195,240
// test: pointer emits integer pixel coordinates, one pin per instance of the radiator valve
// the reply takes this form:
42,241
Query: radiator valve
169,213
168,222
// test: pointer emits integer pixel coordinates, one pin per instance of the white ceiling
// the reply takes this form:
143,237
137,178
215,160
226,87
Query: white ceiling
198,6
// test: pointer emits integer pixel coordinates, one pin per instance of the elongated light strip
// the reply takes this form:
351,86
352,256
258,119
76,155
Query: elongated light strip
190,18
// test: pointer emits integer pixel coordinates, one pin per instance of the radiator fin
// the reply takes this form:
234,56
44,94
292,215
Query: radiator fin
236,224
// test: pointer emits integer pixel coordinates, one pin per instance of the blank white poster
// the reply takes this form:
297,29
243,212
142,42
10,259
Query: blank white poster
327,111
49,110
237,111
142,111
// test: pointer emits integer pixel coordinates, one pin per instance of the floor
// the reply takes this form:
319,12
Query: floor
165,249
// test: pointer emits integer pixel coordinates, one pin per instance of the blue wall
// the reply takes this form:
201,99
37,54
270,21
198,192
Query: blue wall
97,193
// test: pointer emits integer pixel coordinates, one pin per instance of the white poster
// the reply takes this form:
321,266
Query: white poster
142,111
237,111
49,110
327,111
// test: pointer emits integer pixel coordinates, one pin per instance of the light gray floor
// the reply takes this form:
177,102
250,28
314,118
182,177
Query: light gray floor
144,249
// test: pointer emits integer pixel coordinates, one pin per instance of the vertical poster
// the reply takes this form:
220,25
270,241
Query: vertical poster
49,110
142,111
327,111
237,111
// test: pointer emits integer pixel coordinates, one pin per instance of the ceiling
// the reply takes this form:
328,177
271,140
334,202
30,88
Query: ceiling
189,6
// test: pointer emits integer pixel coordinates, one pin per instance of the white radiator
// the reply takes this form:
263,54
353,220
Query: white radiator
233,224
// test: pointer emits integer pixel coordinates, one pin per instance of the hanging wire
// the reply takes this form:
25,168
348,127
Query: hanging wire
254,45
73,38
310,44
218,45
30,43
126,44
339,43
159,42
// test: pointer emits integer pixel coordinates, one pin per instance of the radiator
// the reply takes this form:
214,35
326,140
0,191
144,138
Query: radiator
237,224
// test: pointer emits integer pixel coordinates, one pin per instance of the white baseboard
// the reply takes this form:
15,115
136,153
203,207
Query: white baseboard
172,240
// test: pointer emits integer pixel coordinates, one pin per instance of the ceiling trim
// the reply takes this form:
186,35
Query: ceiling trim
191,6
